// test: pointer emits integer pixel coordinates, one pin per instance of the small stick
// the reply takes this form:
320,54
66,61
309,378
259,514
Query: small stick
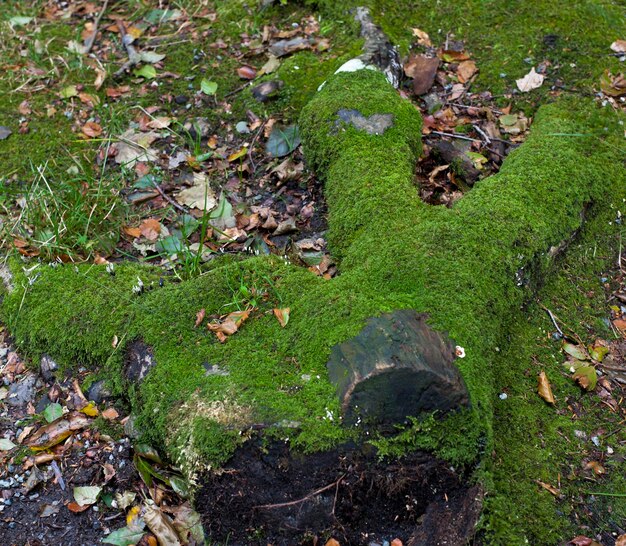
90,41
482,134
303,499
168,198
252,147
235,91
58,475
133,56
554,322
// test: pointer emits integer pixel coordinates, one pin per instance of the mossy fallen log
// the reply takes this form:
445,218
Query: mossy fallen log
448,277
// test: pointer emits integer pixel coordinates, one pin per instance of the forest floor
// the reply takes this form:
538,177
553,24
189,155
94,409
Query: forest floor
166,133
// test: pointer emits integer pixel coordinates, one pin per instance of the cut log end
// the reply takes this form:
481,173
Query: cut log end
396,367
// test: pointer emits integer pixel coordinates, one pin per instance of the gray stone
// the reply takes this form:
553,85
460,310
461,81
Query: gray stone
130,429
22,392
47,367
98,392
376,124
396,367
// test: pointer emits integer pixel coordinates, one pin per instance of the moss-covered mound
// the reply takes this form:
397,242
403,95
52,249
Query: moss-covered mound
470,268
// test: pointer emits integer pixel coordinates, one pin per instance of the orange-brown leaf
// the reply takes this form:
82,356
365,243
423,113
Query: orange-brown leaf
282,315
544,389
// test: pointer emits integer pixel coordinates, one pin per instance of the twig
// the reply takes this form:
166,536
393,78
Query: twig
554,322
463,137
482,134
256,136
303,499
58,475
235,91
168,198
133,55
467,107
90,41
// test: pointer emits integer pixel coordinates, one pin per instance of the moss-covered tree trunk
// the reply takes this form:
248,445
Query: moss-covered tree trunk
376,344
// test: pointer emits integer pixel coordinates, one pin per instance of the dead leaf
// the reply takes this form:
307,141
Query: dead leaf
282,315
101,75
246,72
597,468
530,81
453,56
24,108
200,196
150,229
200,317
586,377
556,492
332,542
110,414
229,325
91,129
162,122
620,540
466,70
422,37
544,389
58,430
423,71
109,472
620,324
77,508
133,147
161,526
619,46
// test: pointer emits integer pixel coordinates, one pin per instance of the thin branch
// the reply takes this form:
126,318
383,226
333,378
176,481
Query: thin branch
133,55
90,41
303,499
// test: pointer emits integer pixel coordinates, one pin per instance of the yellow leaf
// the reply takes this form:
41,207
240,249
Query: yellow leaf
90,409
133,515
237,155
544,389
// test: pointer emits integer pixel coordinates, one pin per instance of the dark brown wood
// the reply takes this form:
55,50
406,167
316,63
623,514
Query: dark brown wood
396,367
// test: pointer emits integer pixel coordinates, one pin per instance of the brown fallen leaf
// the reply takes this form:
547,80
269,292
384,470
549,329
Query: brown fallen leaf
422,37
620,540
246,72
544,389
597,468
77,508
229,325
109,472
150,229
282,315
200,317
619,46
466,70
332,542
423,71
620,324
110,414
396,542
161,526
555,491
132,231
57,431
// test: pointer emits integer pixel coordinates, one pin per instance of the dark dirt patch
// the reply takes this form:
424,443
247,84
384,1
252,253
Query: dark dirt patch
22,520
271,496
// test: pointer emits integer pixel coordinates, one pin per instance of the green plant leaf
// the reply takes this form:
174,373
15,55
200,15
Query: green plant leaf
126,536
20,21
146,71
169,245
283,141
53,412
6,444
586,377
208,87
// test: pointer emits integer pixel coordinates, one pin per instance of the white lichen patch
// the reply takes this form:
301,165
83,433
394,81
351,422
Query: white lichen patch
184,441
